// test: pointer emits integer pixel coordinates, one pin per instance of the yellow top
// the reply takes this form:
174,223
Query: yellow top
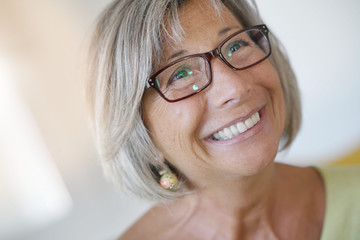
342,215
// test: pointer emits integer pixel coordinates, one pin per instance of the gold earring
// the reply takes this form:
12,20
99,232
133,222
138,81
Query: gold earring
168,181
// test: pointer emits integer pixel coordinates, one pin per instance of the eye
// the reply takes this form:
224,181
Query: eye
182,72
235,46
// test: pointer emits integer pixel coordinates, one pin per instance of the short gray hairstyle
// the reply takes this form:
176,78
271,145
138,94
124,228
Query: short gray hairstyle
126,48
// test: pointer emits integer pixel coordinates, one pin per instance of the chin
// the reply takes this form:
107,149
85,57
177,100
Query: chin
248,163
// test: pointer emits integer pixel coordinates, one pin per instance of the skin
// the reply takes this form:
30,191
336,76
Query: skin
232,96
239,192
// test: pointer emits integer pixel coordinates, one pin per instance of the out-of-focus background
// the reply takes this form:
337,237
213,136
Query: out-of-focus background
51,184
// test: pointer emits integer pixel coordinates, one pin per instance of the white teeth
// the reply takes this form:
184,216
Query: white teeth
228,132
237,128
217,135
222,135
249,123
234,130
256,117
241,127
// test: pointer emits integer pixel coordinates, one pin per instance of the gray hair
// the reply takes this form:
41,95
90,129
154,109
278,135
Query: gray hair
126,48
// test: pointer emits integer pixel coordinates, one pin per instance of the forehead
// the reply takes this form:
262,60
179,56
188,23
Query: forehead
203,25
196,14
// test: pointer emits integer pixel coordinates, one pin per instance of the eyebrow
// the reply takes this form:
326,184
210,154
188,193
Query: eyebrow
224,30
177,54
183,52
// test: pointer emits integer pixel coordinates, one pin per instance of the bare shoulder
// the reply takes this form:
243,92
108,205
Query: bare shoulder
305,182
155,223
301,174
303,192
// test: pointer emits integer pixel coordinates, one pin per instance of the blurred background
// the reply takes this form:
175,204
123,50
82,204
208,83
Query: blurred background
51,184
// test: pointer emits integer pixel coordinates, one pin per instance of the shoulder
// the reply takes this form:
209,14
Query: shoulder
148,225
157,223
342,216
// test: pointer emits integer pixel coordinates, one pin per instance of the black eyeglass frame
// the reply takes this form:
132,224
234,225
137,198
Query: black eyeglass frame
208,56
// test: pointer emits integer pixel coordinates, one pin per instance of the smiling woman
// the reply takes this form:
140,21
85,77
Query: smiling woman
192,101
230,100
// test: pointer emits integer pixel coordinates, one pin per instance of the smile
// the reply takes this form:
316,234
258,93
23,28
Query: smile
237,128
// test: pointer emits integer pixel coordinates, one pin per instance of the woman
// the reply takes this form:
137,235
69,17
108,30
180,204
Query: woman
191,102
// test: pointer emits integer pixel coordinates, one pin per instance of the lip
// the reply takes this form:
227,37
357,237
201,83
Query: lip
241,136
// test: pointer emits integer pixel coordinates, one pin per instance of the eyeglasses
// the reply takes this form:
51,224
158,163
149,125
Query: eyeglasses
191,74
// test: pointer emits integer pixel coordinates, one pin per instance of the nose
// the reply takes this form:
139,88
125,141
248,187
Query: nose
229,87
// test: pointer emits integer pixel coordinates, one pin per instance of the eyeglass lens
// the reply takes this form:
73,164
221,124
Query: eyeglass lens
194,73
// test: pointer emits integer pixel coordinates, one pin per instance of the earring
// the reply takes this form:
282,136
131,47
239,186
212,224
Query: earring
168,181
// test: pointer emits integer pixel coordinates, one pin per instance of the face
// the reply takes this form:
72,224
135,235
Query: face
187,132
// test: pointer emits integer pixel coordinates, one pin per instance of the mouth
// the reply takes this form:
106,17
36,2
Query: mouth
237,128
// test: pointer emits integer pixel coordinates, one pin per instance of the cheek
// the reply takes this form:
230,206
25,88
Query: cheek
267,76
269,79
173,126
277,96
159,122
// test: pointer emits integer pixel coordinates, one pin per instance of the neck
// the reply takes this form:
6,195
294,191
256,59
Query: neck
256,206
239,195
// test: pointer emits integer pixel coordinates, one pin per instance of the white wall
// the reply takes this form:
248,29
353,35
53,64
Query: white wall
322,40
